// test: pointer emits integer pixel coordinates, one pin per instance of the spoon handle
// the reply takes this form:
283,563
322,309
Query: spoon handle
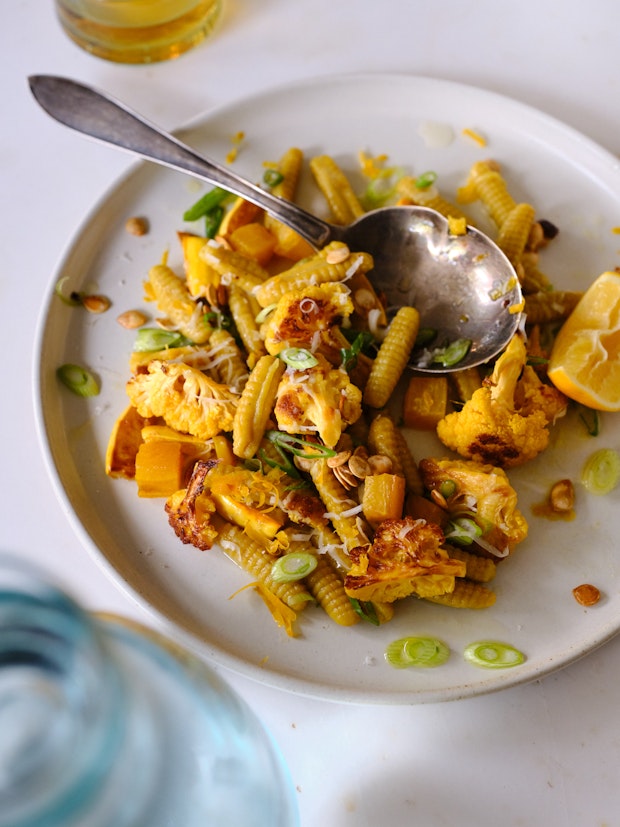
97,115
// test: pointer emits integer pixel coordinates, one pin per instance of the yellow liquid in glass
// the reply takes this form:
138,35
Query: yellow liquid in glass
137,31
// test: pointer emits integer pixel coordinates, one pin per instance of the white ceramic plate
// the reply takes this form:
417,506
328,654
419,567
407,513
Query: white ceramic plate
571,181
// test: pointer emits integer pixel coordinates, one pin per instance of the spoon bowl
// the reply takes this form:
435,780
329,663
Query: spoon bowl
463,286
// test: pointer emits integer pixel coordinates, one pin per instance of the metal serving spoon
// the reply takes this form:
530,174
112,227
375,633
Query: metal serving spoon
462,285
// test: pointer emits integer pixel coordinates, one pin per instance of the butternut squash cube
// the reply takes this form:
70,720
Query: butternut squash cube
383,498
254,241
199,275
160,466
426,401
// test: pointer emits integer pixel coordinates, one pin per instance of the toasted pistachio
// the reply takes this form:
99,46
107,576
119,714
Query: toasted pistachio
137,225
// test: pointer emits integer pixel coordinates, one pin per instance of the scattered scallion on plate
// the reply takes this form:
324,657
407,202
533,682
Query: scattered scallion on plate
492,654
601,471
416,651
155,338
78,379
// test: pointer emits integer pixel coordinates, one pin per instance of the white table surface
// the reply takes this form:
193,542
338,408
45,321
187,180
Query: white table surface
545,753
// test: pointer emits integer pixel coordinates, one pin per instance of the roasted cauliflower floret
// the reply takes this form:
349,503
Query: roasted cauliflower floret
190,510
405,558
505,422
320,398
481,494
184,397
309,318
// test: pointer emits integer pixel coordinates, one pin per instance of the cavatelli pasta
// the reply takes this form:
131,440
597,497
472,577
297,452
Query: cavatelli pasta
392,357
233,267
326,585
487,184
252,558
320,269
550,305
467,594
174,301
255,405
428,197
244,309
343,203
479,569
384,437
338,504
514,232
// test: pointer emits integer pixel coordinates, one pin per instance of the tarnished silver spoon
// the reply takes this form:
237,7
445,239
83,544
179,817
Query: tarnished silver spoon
462,285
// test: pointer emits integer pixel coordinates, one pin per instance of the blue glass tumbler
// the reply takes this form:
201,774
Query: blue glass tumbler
103,723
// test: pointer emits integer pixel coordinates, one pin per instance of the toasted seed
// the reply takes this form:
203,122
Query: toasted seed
562,496
340,459
131,319
338,255
586,594
345,477
96,304
136,225
359,466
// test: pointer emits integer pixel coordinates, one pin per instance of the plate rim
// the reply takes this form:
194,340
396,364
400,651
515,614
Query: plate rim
215,654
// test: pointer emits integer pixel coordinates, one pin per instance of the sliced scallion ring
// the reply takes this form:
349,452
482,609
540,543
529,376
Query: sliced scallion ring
272,177
155,338
416,651
293,566
78,379
491,654
601,471
366,610
298,357
265,312
463,531
73,298
451,355
426,180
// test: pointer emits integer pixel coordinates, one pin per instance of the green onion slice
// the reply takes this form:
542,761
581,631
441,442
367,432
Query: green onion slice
416,651
78,379
293,566
213,219
426,180
155,338
298,358
349,354
454,353
271,178
448,488
296,446
366,610
463,531
265,312
204,205
73,299
590,419
382,188
491,654
425,336
601,471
